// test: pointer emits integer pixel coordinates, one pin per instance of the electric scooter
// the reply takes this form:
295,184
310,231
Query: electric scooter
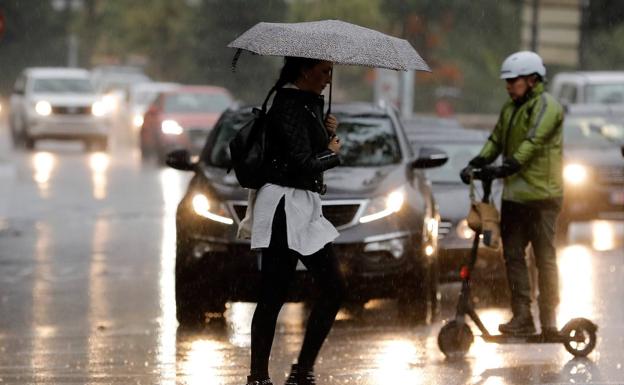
454,340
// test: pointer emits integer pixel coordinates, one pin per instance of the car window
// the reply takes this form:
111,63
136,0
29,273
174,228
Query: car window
592,133
62,85
611,93
196,102
368,141
568,93
459,154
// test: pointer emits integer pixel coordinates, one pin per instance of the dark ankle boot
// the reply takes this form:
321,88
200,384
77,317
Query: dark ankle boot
521,323
299,376
254,381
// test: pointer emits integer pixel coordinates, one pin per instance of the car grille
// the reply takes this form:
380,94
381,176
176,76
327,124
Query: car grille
340,214
444,228
66,110
337,214
611,175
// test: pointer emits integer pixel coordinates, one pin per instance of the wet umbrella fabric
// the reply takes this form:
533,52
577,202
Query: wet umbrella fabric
331,40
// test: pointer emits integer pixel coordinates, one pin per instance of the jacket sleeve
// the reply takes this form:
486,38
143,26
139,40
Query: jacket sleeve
297,144
546,118
492,148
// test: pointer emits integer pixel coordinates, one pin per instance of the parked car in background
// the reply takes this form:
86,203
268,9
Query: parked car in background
57,103
453,197
593,171
181,118
113,82
379,199
589,87
140,96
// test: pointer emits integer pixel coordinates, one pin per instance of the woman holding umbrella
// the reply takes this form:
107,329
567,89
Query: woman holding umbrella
288,225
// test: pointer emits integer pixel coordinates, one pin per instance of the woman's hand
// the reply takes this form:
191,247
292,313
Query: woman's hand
331,124
334,144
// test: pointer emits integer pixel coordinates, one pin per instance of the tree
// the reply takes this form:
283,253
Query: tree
35,36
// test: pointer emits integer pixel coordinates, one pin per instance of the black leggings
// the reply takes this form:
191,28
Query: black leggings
278,267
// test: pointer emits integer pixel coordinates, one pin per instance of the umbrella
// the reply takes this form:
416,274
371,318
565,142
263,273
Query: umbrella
331,40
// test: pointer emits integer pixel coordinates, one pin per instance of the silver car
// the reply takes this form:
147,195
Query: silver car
57,103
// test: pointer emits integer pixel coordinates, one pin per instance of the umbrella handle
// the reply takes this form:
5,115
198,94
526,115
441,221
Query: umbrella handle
331,83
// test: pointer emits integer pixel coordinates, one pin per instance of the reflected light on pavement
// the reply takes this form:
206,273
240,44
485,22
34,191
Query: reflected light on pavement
603,235
171,185
393,360
576,286
43,163
487,355
204,363
98,162
42,304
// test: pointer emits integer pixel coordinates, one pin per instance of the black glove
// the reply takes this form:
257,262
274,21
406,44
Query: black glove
465,174
510,166
488,173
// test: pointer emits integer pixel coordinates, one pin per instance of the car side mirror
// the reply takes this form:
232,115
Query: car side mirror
429,157
180,160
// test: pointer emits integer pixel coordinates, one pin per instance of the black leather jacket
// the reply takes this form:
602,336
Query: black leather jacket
297,141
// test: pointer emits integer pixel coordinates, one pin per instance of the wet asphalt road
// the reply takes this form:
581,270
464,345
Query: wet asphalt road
86,294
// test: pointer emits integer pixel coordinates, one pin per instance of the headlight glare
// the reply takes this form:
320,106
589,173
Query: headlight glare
203,207
575,174
98,109
43,108
137,120
383,206
171,127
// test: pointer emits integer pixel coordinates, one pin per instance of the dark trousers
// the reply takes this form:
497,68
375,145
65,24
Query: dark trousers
533,222
278,268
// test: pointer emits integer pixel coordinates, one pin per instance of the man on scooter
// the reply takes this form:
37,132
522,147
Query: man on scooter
528,135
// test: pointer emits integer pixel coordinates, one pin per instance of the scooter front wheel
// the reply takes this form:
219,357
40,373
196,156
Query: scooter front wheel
454,339
580,336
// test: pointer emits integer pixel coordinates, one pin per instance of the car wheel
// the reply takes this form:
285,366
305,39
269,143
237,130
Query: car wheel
197,298
29,142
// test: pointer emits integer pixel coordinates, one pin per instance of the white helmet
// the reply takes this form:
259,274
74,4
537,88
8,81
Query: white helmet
521,64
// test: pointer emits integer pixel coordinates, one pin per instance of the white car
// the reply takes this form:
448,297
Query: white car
57,103
589,87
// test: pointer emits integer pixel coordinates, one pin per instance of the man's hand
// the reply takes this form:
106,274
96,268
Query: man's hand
466,174
331,124
488,173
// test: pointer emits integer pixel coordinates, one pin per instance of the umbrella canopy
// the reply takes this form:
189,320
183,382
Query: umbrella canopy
331,40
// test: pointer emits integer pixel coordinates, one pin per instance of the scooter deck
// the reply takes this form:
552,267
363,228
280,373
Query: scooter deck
524,339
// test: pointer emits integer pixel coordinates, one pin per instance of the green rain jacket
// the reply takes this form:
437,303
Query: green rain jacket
529,135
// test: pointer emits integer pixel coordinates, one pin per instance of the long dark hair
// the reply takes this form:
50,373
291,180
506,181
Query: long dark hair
292,69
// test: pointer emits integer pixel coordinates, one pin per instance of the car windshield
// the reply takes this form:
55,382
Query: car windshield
63,85
592,133
144,98
196,102
611,93
367,141
459,154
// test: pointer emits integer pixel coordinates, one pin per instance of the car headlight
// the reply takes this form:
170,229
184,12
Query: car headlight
211,210
111,102
43,108
137,120
171,127
383,206
463,230
98,109
575,174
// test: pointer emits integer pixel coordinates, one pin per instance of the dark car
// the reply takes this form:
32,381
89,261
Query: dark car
378,199
453,197
182,118
593,171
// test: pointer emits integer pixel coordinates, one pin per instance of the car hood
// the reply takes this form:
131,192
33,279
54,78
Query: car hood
596,157
205,121
342,182
66,99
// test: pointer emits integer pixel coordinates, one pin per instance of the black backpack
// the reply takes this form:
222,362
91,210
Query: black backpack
248,147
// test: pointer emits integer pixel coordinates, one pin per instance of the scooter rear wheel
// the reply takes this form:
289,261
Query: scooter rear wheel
454,339
580,335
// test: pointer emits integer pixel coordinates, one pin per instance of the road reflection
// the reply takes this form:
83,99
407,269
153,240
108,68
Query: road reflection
98,163
576,286
204,362
43,164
